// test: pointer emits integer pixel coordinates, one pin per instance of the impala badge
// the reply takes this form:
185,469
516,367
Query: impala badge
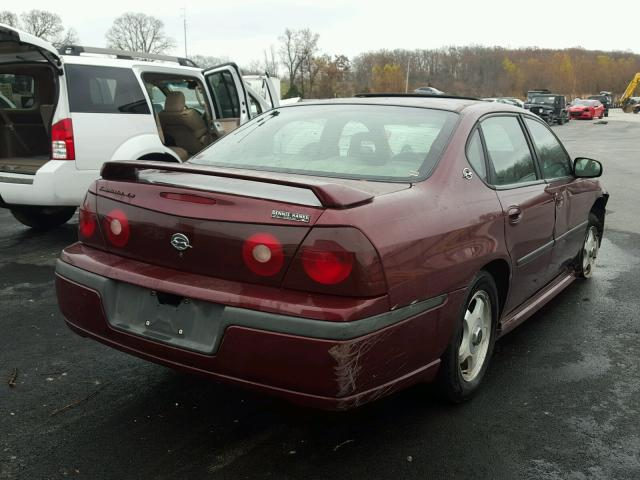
180,242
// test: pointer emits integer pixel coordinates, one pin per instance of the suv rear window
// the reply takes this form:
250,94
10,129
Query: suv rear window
371,142
104,90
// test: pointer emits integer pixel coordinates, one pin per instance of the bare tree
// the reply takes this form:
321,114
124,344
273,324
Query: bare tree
9,18
291,55
43,24
48,26
139,32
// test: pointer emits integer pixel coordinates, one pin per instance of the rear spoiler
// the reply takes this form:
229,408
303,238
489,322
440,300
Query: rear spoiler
330,195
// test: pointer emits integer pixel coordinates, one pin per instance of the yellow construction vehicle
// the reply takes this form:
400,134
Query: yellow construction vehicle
628,93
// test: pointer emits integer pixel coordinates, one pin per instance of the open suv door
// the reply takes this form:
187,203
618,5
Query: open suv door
21,47
229,95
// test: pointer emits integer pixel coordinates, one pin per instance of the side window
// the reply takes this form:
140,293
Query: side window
554,161
16,91
254,106
475,154
508,151
225,93
104,90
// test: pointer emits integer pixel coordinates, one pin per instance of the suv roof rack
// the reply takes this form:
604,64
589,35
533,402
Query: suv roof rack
76,50
412,95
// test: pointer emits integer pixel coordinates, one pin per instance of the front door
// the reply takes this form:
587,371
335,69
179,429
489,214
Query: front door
528,208
230,99
556,169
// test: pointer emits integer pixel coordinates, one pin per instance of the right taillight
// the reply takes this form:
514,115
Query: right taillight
62,143
337,261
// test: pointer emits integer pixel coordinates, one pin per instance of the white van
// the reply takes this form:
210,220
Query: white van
63,114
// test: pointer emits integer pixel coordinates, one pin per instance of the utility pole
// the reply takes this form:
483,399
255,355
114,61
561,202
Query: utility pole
406,85
184,24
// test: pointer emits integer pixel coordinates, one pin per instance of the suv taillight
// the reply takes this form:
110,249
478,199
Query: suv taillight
62,145
337,261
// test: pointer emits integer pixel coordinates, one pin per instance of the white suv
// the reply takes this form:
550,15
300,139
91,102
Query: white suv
64,114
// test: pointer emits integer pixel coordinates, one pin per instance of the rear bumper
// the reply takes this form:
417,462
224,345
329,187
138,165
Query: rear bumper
332,365
56,183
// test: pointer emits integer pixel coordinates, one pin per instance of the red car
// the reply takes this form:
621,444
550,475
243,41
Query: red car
334,252
586,109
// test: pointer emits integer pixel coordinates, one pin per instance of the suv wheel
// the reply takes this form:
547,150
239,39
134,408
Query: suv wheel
43,218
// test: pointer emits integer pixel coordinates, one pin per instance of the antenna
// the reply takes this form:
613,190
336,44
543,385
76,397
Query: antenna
184,24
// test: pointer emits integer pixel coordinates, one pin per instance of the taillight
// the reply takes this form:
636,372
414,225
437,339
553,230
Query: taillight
87,217
116,226
263,255
326,262
338,261
62,145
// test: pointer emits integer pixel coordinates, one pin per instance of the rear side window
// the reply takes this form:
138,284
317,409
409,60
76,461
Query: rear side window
16,91
225,93
553,160
104,90
508,151
476,155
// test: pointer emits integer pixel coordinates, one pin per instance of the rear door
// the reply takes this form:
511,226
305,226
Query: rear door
528,208
107,108
230,98
17,46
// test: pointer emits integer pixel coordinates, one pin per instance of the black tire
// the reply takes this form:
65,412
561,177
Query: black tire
43,218
585,269
451,379
561,120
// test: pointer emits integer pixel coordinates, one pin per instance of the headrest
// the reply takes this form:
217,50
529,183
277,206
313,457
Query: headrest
174,102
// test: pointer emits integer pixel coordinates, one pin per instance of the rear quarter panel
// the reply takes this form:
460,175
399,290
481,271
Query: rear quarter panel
434,237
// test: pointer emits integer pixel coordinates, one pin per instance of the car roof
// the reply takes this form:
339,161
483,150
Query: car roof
439,102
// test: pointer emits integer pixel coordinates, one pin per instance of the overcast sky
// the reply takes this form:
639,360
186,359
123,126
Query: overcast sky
242,29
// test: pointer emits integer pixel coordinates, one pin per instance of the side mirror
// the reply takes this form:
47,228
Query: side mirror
586,168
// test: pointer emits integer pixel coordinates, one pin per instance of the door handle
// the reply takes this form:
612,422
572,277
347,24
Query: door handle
515,214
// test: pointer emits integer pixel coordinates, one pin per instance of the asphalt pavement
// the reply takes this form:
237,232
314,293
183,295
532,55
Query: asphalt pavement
560,401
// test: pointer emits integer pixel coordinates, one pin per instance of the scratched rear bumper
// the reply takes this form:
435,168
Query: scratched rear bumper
330,365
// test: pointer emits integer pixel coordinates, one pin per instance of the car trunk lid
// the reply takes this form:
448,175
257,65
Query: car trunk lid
214,222
17,46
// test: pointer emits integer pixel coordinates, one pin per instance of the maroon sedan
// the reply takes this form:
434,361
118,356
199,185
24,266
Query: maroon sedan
586,109
334,252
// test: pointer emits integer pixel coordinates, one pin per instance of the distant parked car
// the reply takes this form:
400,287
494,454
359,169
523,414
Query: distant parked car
506,101
428,91
605,100
334,252
551,108
586,109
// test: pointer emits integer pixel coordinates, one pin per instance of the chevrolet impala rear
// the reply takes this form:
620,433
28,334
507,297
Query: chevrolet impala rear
324,253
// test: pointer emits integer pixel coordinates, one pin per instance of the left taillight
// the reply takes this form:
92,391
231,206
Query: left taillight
88,218
116,228
62,142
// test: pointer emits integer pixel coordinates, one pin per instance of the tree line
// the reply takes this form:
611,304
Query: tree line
308,72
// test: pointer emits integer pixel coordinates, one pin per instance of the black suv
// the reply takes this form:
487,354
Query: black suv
604,100
552,108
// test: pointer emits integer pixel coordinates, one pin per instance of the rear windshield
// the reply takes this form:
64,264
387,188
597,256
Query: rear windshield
372,142
95,89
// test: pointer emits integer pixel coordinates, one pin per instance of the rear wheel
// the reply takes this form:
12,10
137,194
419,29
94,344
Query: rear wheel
467,357
43,218
586,260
